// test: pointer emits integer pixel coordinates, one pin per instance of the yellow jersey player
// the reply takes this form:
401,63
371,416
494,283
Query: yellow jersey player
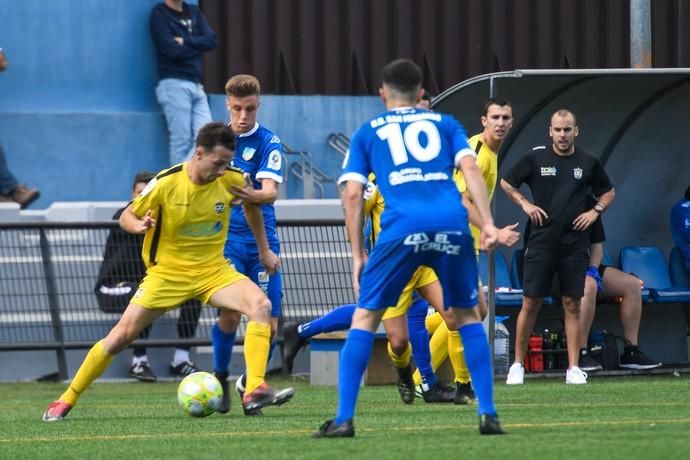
183,213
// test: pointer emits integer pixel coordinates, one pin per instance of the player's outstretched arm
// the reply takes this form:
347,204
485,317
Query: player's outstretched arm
268,192
131,223
255,220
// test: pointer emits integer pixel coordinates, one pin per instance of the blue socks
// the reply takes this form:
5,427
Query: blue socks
338,319
222,349
419,339
478,359
354,358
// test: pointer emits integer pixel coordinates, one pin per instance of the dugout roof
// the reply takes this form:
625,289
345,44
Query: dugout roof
637,121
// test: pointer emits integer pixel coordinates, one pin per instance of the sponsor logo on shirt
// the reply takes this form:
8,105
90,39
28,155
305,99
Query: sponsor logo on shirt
369,190
201,229
421,243
274,160
139,293
219,207
248,153
548,171
415,175
577,173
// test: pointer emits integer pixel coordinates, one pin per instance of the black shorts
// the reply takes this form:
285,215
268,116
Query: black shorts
540,265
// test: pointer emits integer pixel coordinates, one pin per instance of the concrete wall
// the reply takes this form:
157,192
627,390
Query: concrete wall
78,115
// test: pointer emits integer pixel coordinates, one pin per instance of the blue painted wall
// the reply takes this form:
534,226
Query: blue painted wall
78,115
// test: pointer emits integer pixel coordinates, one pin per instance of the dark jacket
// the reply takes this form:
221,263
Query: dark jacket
181,61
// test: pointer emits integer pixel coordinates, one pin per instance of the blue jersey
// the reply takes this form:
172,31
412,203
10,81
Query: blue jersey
412,152
259,155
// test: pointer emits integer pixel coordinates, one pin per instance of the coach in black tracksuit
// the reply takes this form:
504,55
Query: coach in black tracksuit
559,177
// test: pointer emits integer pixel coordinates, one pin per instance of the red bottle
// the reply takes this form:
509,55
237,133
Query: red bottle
536,355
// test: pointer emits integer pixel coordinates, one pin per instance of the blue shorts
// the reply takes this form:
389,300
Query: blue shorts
391,265
245,258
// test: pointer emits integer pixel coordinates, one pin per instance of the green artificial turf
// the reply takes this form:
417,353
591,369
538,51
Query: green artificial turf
641,417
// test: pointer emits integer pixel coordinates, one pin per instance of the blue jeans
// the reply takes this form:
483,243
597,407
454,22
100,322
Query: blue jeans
186,110
7,181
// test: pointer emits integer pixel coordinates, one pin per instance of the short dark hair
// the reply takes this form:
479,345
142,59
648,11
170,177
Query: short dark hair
497,100
402,76
687,193
143,177
214,134
426,96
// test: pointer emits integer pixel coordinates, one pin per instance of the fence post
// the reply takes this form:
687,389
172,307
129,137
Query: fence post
53,304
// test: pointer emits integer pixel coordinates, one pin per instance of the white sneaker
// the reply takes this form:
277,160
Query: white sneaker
575,376
516,375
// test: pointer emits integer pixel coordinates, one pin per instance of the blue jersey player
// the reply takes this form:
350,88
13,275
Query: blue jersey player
412,152
259,155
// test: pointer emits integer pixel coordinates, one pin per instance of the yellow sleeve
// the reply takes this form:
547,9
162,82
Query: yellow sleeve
233,177
149,198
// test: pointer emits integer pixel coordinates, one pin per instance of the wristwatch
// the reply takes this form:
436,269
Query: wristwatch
598,208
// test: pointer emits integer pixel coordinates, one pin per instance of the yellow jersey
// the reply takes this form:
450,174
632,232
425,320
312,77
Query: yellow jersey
487,162
373,208
191,220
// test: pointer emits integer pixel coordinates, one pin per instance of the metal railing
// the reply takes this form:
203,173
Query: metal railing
49,271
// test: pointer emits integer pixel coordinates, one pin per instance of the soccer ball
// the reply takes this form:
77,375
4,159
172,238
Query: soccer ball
199,394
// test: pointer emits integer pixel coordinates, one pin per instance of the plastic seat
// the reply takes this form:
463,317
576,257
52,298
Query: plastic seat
516,274
676,269
649,263
506,294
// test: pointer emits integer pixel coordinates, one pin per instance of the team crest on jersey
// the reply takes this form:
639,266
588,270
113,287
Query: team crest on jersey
548,171
577,173
274,161
274,140
219,207
248,153
263,277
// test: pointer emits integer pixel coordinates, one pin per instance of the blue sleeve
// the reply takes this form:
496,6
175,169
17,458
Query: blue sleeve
206,40
164,38
459,138
271,165
356,164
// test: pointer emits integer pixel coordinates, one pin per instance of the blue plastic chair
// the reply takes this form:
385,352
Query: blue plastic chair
649,263
506,295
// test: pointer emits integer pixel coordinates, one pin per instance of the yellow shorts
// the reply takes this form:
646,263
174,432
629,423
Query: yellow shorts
422,277
170,287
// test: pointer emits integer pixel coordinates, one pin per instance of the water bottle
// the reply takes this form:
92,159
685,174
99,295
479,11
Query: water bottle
501,347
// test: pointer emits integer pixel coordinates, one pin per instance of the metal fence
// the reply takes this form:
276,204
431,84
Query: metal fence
48,275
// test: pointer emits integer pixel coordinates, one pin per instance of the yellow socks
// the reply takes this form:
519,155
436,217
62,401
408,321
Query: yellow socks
432,322
96,362
456,352
257,341
403,360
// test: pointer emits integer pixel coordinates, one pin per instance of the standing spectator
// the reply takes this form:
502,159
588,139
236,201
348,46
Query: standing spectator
680,227
181,36
412,153
606,282
121,272
10,189
259,156
559,177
